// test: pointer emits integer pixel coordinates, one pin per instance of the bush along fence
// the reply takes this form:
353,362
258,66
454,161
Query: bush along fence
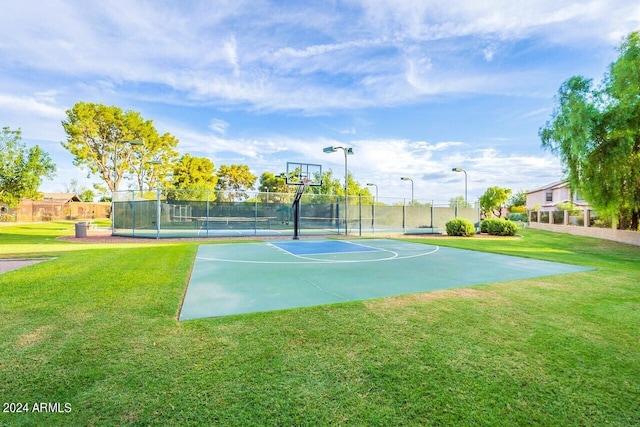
160,214
582,223
493,226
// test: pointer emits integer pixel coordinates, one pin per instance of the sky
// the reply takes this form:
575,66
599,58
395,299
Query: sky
416,88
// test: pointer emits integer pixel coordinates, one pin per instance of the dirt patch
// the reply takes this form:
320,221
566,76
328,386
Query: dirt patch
405,300
31,338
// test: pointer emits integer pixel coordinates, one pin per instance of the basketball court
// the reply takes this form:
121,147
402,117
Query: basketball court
240,278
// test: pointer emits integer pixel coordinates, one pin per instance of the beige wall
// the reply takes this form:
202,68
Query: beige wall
621,236
46,210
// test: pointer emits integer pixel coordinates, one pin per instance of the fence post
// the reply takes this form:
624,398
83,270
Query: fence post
566,217
433,212
404,215
206,221
255,218
373,218
587,218
360,213
133,213
158,213
112,215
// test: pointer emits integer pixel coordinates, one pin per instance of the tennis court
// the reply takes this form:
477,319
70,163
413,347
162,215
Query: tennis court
240,278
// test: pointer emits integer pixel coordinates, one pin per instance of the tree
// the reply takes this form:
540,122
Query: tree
102,190
270,183
194,178
98,136
355,189
153,165
596,134
518,199
21,169
234,181
329,188
459,202
493,200
85,194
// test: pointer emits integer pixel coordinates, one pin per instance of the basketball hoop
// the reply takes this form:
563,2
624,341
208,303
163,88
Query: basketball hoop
304,183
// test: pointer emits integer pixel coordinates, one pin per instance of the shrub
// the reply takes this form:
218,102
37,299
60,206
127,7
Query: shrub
499,227
460,227
523,217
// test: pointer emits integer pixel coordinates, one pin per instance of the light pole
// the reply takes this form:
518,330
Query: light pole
374,185
115,177
465,183
347,151
404,178
373,207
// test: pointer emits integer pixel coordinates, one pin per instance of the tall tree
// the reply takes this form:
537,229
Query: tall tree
99,137
234,181
596,133
21,169
194,178
155,163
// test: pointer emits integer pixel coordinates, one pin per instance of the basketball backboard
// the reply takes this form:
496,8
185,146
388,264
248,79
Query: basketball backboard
298,173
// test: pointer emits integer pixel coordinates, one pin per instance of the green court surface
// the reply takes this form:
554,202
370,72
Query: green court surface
229,279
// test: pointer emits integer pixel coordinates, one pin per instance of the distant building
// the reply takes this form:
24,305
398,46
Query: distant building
551,195
58,206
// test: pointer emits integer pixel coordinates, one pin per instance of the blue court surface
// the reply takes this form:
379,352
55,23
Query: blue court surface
240,278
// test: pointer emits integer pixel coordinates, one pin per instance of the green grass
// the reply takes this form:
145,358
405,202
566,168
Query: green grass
96,328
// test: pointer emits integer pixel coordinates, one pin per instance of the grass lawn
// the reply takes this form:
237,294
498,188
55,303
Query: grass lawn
93,334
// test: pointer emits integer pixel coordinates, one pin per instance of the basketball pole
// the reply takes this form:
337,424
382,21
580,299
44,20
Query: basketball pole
296,208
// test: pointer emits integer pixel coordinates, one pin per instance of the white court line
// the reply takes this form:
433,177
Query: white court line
307,260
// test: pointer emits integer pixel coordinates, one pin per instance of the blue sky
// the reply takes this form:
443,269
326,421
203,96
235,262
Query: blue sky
415,87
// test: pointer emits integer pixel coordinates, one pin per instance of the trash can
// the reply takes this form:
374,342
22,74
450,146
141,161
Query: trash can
81,229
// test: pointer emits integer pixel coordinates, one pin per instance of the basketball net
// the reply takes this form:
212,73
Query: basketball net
300,190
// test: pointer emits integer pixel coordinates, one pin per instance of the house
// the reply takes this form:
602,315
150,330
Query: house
547,198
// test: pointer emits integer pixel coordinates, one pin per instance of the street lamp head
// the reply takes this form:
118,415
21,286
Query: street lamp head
370,184
330,149
349,151
457,170
405,178
135,142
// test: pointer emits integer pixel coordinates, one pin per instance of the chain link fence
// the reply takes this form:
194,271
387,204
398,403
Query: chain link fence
159,214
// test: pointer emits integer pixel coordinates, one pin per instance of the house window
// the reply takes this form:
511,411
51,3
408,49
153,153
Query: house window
549,196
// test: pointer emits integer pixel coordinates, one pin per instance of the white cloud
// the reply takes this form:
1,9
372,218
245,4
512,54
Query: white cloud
218,126
489,52
31,105
231,54
334,60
